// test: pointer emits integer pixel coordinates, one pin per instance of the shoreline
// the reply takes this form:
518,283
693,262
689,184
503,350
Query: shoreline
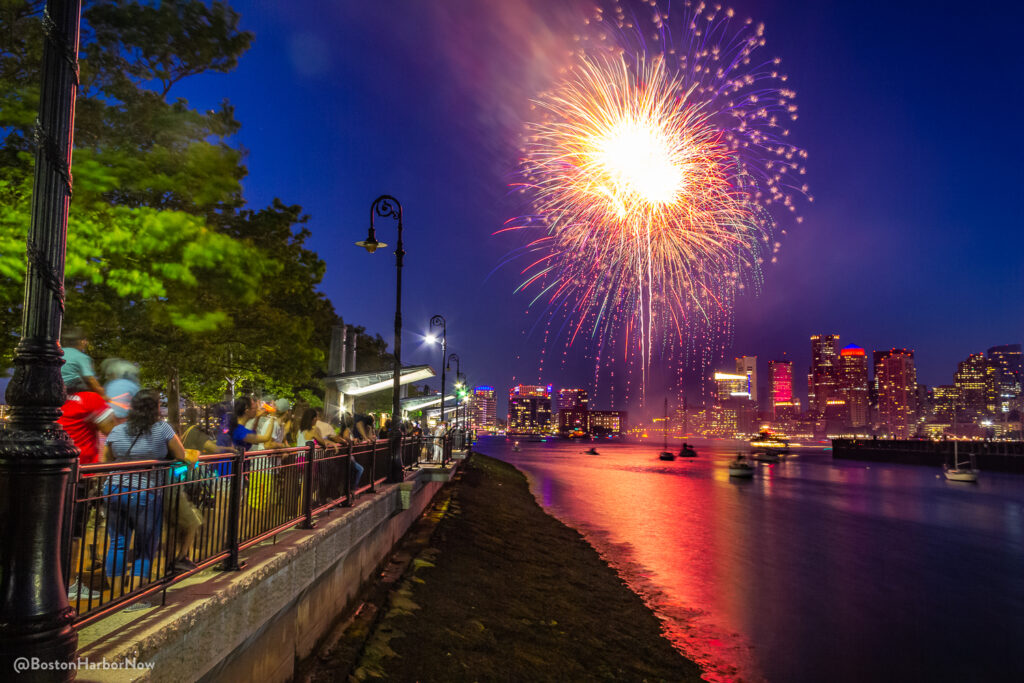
493,587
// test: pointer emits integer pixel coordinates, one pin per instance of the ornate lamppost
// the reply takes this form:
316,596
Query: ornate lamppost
439,321
387,206
37,457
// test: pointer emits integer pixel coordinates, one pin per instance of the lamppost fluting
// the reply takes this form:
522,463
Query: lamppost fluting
387,206
37,457
439,321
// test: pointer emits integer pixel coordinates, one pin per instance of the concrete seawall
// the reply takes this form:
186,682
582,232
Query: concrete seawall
995,456
255,624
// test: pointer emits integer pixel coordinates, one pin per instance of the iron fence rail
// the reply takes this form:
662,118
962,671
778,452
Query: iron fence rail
136,528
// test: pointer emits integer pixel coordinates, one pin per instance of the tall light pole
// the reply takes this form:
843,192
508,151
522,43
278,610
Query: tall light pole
387,206
36,456
439,321
455,357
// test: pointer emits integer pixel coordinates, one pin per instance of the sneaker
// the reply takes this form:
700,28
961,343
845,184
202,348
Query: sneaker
79,592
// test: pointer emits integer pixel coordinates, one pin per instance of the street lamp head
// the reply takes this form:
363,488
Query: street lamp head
371,244
430,339
438,321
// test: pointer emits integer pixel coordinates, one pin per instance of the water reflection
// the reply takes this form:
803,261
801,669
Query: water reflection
814,570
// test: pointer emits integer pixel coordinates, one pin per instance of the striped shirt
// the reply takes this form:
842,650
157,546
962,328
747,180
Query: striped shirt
150,445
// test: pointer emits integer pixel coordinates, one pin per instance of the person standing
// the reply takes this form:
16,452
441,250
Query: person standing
85,416
135,499
77,371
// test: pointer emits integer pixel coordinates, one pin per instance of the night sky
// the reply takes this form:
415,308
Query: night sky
910,113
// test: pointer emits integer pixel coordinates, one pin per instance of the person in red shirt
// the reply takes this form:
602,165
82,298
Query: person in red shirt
85,416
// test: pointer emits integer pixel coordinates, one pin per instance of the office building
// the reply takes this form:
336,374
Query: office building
853,385
573,399
896,379
975,382
780,380
484,410
607,422
1009,376
823,383
529,409
747,365
729,385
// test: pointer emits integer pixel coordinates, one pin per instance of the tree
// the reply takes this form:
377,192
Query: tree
165,263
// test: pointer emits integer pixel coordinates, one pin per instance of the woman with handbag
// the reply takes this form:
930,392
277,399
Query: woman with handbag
136,498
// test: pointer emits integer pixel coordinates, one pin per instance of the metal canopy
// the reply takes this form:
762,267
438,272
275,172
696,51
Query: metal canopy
362,383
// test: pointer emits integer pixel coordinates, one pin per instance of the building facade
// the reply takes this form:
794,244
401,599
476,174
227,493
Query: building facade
529,409
780,380
747,366
896,378
823,381
1009,377
607,422
853,385
484,410
975,382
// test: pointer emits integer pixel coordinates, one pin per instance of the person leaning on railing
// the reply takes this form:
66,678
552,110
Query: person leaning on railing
260,476
135,498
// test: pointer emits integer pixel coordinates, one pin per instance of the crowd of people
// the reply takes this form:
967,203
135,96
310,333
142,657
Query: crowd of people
121,422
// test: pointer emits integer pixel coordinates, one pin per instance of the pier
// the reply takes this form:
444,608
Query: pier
996,456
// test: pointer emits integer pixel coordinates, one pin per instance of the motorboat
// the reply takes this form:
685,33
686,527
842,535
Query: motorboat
741,467
592,451
961,470
666,455
515,447
687,451
766,456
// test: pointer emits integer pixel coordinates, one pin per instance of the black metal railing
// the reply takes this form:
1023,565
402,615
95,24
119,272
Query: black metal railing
137,528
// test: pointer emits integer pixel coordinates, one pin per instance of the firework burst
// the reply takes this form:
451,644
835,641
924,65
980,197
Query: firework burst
658,169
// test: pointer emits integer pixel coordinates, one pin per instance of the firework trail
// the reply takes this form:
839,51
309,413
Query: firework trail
659,169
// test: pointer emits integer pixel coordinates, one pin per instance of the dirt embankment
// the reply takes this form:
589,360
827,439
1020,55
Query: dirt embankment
496,589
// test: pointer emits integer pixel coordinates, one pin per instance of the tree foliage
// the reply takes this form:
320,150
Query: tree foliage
166,264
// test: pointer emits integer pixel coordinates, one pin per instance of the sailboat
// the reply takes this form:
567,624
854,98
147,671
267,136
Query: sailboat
666,454
961,471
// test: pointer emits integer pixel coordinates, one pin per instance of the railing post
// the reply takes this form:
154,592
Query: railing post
232,564
307,487
373,467
348,477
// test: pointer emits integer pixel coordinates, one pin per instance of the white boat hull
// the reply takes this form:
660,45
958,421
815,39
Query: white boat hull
741,471
962,475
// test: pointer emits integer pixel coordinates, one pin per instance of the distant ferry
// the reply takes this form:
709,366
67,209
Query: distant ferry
769,444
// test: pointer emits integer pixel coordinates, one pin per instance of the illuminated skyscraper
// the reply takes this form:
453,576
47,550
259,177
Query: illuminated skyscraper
747,365
853,384
573,413
484,409
780,380
1009,376
573,399
975,382
824,378
728,385
897,392
529,409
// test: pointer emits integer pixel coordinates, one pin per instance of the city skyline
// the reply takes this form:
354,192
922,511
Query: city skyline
936,263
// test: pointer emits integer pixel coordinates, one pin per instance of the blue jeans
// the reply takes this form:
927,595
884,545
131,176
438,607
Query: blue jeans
357,473
138,511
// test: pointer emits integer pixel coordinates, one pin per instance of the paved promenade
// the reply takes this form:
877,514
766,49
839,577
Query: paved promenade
487,586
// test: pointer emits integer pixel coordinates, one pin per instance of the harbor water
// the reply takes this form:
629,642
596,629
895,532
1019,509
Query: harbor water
813,570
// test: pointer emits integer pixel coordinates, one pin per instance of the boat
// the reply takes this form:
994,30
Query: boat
687,451
740,467
592,451
515,447
766,442
765,456
962,470
666,454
